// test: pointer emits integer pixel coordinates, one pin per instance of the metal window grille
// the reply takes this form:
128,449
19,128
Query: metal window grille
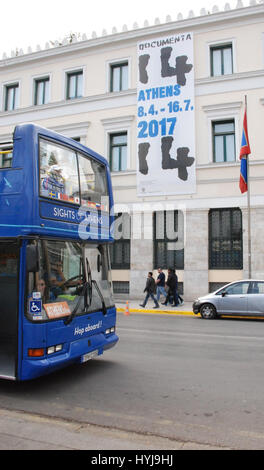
121,287
168,239
225,239
120,249
213,286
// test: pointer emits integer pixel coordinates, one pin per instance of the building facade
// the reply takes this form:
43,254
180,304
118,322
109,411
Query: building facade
88,89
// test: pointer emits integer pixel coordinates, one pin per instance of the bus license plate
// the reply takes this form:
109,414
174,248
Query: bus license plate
88,356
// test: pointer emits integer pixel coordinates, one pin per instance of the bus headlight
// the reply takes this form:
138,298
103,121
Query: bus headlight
108,331
54,349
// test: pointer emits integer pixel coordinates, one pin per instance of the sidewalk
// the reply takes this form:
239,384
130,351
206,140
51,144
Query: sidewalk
134,307
25,431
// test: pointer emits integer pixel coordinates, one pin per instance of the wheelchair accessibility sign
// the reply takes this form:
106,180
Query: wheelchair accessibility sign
35,307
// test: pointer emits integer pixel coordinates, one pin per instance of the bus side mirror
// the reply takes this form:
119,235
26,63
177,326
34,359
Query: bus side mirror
32,258
99,263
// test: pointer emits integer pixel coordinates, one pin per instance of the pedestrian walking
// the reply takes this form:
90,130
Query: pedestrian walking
180,299
172,283
160,283
150,289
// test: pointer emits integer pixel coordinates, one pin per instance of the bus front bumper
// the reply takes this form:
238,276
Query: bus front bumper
78,351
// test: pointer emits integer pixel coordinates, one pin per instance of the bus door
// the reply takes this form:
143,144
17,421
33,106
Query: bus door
9,269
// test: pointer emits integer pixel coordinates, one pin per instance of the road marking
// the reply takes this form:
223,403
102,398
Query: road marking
208,335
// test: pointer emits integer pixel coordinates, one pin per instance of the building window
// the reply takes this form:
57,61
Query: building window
225,239
121,287
119,77
168,239
118,151
221,60
213,286
41,94
120,249
74,85
224,147
11,97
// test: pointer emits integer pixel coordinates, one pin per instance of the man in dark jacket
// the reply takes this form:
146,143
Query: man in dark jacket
172,283
150,289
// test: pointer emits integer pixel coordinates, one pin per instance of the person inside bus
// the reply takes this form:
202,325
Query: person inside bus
57,279
57,275
58,283
42,288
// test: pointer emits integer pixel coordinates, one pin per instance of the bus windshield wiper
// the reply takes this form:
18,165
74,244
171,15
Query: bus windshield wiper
104,310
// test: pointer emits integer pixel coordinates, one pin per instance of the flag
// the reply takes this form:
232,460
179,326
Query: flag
245,147
244,152
243,175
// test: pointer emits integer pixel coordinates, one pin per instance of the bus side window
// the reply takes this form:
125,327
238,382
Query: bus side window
6,157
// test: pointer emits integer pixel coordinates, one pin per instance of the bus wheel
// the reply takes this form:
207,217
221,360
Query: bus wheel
208,312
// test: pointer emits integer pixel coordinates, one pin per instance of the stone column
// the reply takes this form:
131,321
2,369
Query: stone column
257,250
141,252
196,254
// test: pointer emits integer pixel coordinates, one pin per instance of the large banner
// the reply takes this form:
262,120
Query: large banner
166,131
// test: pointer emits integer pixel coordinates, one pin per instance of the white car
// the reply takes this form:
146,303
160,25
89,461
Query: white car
237,298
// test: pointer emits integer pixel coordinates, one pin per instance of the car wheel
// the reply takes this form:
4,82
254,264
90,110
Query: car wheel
208,311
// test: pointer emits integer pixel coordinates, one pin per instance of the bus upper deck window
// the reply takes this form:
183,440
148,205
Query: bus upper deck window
58,172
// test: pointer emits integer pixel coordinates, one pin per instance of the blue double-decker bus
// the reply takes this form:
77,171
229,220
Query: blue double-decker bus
56,303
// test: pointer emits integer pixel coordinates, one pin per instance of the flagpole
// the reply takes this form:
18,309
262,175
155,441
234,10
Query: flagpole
249,212
249,224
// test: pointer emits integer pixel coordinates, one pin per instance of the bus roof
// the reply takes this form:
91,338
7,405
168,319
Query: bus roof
27,130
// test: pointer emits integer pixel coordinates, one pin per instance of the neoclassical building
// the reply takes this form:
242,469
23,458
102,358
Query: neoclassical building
164,103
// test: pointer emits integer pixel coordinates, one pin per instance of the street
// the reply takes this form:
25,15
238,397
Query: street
182,379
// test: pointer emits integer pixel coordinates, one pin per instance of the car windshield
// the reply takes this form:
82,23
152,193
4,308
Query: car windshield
60,287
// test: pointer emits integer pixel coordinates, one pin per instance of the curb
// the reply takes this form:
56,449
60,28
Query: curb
185,313
157,311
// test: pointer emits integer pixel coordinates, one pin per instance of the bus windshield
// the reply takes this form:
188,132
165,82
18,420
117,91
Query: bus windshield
59,288
69,176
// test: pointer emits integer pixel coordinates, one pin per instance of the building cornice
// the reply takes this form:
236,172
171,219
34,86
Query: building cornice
69,107
204,86
230,83
252,13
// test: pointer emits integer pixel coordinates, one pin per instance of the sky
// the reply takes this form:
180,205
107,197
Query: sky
29,23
